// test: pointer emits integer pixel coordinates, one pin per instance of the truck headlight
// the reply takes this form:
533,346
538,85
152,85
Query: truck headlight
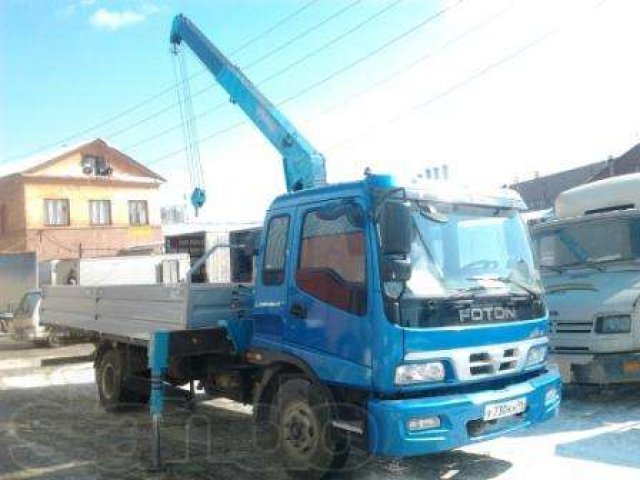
537,355
419,373
614,324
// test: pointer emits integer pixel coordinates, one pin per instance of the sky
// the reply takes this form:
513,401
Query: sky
498,90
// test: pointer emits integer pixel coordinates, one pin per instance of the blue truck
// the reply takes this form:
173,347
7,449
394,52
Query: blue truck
401,320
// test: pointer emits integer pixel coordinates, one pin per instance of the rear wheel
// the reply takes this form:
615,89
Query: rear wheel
309,446
117,389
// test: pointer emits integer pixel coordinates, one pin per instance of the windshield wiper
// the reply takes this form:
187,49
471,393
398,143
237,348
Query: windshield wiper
467,292
555,268
512,281
584,263
430,213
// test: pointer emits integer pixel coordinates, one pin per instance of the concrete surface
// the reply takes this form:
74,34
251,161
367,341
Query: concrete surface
51,427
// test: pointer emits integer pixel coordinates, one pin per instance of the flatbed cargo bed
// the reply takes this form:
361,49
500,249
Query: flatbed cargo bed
137,311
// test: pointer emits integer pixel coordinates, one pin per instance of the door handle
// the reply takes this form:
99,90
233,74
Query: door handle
298,310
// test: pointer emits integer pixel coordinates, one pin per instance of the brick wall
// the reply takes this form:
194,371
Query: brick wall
51,243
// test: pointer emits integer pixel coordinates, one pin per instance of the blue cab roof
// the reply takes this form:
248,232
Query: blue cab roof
430,191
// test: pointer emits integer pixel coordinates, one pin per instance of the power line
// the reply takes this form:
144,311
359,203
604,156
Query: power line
323,80
220,105
300,60
163,92
377,50
333,41
303,34
456,86
448,44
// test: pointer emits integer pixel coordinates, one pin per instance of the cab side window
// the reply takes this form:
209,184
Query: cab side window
276,251
332,261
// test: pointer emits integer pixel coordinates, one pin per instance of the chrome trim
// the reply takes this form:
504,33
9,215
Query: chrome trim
489,357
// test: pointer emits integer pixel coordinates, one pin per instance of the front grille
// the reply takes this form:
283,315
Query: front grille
559,326
492,362
561,348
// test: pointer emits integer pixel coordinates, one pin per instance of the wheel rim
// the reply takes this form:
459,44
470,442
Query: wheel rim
108,380
300,429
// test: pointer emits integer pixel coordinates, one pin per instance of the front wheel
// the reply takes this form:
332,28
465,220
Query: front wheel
309,445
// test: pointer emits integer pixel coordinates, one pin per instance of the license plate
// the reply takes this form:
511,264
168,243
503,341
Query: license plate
505,409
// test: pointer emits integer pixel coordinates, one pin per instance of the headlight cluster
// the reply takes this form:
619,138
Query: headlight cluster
613,324
537,355
414,373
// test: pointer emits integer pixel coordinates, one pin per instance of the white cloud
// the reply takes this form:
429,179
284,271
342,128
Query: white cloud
107,19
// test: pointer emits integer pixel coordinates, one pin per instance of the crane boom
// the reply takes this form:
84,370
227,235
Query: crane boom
304,167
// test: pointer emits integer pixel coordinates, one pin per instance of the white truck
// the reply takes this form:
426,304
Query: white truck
18,273
589,255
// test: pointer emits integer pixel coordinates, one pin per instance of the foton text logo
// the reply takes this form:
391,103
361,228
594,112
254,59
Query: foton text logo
488,314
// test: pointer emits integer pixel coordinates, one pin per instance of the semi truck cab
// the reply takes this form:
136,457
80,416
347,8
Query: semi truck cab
589,257
423,307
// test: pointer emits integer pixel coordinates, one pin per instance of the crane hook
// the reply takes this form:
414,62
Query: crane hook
198,197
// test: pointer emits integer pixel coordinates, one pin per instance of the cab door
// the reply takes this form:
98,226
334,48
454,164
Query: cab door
328,299
271,284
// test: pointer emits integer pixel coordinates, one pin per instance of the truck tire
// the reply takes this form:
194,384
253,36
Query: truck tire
308,444
116,389
54,339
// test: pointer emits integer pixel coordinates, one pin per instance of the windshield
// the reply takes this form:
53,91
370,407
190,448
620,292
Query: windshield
460,248
28,304
588,243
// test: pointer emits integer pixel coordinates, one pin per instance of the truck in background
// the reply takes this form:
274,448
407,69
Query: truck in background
403,321
589,255
24,323
18,274
225,265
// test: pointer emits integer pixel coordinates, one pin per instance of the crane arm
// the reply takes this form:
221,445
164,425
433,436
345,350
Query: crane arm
304,167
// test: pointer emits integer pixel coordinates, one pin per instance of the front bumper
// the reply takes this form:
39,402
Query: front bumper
28,333
460,417
600,369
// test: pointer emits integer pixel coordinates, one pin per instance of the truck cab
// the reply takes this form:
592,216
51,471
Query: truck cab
422,306
589,256
25,321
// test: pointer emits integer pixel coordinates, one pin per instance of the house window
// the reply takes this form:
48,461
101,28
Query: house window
100,212
56,212
138,213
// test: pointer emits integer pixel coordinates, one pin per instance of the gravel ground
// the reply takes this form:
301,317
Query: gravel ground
51,427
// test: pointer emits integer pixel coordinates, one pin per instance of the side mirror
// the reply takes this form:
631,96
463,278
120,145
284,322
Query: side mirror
396,269
396,228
